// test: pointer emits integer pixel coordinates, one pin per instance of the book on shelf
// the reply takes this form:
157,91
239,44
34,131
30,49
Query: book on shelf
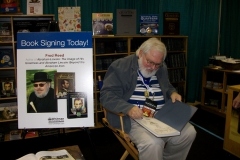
15,134
29,24
169,120
34,7
149,24
5,28
8,111
7,85
10,6
31,133
102,24
6,57
124,18
60,154
69,19
171,23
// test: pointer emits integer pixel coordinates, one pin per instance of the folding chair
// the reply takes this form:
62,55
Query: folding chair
122,136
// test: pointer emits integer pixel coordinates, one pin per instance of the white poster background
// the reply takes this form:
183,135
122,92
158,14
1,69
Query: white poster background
78,60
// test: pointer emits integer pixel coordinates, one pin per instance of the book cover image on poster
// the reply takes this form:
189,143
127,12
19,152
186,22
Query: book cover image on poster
149,24
69,19
171,23
64,82
102,23
77,105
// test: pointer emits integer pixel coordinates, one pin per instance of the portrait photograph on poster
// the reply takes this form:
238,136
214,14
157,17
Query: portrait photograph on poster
64,82
77,105
40,93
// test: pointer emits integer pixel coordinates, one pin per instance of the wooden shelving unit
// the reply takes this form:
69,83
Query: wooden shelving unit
215,83
8,44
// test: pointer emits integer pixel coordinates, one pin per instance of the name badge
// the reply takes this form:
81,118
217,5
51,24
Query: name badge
149,108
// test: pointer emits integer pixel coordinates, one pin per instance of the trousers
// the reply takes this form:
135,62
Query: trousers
167,148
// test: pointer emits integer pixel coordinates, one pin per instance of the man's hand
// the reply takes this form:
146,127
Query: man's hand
175,96
135,113
236,101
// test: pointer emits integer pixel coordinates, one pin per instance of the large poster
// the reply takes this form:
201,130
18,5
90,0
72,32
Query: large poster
55,80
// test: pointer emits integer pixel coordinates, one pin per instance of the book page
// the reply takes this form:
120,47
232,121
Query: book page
29,156
157,127
53,155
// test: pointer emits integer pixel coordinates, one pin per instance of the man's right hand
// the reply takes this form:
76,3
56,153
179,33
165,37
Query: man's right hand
135,113
236,101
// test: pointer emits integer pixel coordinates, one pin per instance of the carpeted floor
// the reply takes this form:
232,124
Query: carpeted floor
208,144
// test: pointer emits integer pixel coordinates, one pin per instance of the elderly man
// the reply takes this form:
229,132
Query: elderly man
42,99
131,81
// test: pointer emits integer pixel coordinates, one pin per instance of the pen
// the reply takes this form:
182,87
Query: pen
138,105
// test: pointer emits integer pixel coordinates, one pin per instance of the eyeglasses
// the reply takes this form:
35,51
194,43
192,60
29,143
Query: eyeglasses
40,84
157,65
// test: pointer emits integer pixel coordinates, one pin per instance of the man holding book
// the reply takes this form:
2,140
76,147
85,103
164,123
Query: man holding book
141,81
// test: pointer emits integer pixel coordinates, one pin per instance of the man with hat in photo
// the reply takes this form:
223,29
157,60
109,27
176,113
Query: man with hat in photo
42,99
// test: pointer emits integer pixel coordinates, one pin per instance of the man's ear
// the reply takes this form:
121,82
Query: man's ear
140,54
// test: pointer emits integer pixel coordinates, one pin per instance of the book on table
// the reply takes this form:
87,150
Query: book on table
169,120
41,155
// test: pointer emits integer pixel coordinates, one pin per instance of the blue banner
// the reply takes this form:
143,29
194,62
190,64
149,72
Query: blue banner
41,40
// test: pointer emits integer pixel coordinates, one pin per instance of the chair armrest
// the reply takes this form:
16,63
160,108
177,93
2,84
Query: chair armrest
121,115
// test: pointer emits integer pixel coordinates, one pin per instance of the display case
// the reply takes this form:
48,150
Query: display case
215,83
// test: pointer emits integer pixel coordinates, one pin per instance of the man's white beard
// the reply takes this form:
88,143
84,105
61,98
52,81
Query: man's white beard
42,95
147,73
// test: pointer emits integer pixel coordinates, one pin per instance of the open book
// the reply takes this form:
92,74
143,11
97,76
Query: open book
48,155
169,120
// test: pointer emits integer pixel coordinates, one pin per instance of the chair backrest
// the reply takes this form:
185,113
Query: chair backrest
122,137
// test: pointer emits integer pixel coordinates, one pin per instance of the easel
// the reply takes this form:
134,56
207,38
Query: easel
86,130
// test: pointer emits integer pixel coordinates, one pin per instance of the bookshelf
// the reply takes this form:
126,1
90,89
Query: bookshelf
215,84
10,24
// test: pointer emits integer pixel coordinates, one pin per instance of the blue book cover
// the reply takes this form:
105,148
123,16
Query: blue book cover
6,57
149,24
169,120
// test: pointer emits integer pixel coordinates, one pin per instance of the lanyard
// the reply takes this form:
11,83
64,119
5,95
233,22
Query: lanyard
147,86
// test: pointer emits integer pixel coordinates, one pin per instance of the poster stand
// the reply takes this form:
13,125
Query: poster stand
87,131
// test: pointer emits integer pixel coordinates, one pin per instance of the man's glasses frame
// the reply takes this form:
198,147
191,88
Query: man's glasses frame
156,65
39,84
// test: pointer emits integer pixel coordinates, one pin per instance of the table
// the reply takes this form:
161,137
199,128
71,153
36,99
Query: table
232,137
73,150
